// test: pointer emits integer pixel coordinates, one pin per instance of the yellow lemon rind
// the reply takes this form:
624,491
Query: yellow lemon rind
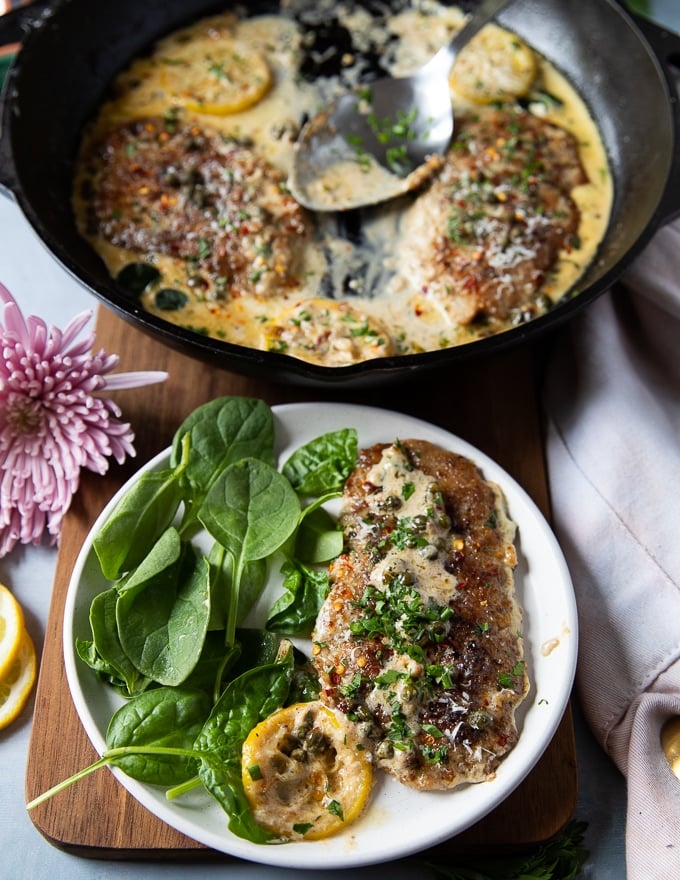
11,629
17,684
215,78
310,799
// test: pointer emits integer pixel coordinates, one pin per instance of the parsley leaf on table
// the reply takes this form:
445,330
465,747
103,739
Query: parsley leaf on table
559,859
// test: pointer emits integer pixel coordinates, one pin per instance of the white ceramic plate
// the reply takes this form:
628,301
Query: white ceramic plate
398,821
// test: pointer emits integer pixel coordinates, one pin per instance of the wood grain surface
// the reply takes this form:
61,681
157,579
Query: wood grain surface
491,404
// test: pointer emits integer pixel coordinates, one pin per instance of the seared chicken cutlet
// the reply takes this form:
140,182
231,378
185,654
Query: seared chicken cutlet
481,240
419,638
156,185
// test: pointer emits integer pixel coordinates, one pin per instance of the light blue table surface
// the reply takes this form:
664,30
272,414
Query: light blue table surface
43,288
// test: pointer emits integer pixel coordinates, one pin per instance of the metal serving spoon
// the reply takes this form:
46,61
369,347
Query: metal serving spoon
384,139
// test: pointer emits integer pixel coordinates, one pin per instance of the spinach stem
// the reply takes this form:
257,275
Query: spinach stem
65,783
109,757
178,790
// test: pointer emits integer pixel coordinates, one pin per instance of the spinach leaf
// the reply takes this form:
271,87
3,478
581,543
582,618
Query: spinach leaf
105,672
162,621
246,701
165,552
295,611
222,432
169,718
214,665
251,510
253,581
323,464
259,647
318,538
140,518
105,653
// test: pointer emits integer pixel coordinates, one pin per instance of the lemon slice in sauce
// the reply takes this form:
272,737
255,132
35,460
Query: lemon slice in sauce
217,77
306,774
496,65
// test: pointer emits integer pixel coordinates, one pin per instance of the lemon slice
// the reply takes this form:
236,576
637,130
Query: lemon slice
18,681
11,629
306,774
496,65
215,76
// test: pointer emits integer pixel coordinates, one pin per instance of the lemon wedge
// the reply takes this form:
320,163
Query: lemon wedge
217,77
496,65
17,682
11,629
306,774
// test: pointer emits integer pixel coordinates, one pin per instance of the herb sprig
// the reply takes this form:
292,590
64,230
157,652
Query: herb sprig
559,859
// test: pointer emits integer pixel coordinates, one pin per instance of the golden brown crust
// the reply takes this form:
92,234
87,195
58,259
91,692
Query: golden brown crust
485,234
437,681
156,185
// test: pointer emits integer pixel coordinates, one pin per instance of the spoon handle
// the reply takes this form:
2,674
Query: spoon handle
443,61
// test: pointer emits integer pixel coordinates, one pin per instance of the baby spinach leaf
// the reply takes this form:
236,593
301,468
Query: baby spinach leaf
162,622
253,581
165,552
318,538
251,510
246,701
295,611
105,672
105,653
323,464
140,518
170,718
222,432
215,664
259,647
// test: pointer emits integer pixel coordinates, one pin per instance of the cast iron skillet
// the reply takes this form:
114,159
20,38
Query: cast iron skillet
71,50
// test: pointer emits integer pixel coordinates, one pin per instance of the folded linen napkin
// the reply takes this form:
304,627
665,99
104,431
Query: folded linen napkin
612,400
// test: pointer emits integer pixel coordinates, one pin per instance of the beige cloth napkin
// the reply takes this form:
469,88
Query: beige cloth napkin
612,400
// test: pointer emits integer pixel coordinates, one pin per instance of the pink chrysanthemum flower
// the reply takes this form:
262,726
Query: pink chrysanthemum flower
52,423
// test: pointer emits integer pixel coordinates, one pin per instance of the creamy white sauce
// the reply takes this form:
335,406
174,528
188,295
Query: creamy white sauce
365,275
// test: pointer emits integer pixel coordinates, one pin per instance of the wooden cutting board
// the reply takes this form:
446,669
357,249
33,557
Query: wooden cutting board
491,404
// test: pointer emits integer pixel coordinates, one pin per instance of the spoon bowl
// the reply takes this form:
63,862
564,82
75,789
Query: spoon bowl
383,139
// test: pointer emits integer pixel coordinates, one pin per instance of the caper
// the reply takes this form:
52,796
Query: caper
429,551
419,522
305,726
361,713
408,693
384,750
392,570
288,744
390,502
479,719
299,755
317,742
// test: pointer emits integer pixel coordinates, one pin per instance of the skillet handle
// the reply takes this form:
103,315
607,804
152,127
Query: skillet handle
14,25
665,45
